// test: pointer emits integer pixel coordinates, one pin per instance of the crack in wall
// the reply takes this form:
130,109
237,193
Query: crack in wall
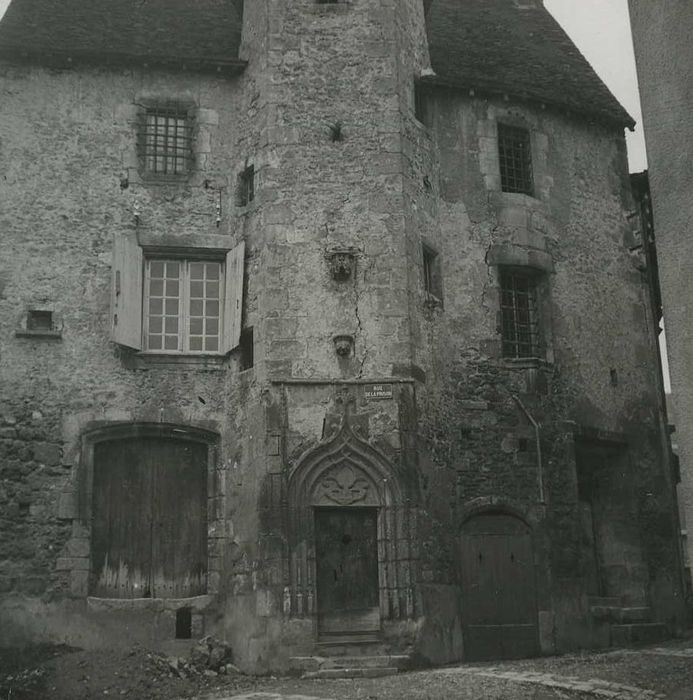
359,324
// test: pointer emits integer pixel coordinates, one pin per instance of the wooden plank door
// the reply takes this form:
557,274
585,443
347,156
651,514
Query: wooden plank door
122,524
498,589
149,518
179,515
347,570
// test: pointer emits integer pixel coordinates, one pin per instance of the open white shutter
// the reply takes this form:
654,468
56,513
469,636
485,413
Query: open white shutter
233,297
126,294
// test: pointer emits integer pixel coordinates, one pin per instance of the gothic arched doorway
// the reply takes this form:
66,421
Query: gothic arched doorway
350,538
499,602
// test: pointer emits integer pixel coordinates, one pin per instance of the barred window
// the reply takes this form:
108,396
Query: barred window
165,141
183,306
519,314
515,155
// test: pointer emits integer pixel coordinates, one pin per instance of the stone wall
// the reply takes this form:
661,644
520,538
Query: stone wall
662,52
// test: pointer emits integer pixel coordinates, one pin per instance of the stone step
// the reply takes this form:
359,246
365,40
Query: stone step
319,663
604,601
352,672
351,646
620,614
638,633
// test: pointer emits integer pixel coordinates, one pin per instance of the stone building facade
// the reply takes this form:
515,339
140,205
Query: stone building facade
663,54
319,324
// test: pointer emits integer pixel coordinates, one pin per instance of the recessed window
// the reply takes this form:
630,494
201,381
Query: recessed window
37,320
432,282
165,141
183,306
519,314
246,186
515,158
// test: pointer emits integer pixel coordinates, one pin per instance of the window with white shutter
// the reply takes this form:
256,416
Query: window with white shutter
165,303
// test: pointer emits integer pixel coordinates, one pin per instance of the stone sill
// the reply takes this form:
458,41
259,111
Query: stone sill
147,360
153,604
48,335
527,363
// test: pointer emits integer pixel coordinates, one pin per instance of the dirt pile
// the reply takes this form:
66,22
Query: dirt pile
65,673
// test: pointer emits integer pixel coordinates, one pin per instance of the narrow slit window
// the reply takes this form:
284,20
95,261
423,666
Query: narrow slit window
515,157
431,273
246,186
420,104
519,314
166,141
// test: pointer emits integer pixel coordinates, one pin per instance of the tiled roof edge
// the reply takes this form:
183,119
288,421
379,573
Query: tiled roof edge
625,120
67,59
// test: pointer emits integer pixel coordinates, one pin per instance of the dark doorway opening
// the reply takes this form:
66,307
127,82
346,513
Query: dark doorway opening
184,623
347,570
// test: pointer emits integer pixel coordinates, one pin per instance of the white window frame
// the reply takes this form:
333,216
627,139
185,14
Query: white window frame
184,318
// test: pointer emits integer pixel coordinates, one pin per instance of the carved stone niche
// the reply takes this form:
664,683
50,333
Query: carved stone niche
345,485
343,345
342,262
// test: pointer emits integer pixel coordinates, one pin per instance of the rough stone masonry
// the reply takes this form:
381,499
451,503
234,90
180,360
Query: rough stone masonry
318,325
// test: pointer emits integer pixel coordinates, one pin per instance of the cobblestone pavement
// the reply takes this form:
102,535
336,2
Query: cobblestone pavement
652,673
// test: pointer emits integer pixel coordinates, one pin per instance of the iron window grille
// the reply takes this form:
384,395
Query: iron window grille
519,314
515,156
165,140
183,306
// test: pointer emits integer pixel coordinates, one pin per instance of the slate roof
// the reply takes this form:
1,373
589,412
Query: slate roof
497,47
154,31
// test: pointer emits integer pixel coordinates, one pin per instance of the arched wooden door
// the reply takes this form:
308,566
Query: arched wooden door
499,609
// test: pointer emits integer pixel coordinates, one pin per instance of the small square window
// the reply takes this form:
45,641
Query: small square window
432,282
165,141
515,158
183,306
246,186
37,320
519,313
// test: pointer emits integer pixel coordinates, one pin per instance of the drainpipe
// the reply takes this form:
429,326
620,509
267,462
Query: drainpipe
540,467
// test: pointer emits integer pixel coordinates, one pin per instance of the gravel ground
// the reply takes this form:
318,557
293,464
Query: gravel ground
419,685
668,676
62,673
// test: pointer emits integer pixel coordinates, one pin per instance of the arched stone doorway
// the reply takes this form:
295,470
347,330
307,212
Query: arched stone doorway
350,533
499,599
145,497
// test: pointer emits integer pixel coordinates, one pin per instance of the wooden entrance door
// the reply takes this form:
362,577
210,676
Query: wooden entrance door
498,589
347,570
149,518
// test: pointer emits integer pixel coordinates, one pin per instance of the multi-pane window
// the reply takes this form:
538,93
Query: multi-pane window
183,306
515,156
519,314
165,141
